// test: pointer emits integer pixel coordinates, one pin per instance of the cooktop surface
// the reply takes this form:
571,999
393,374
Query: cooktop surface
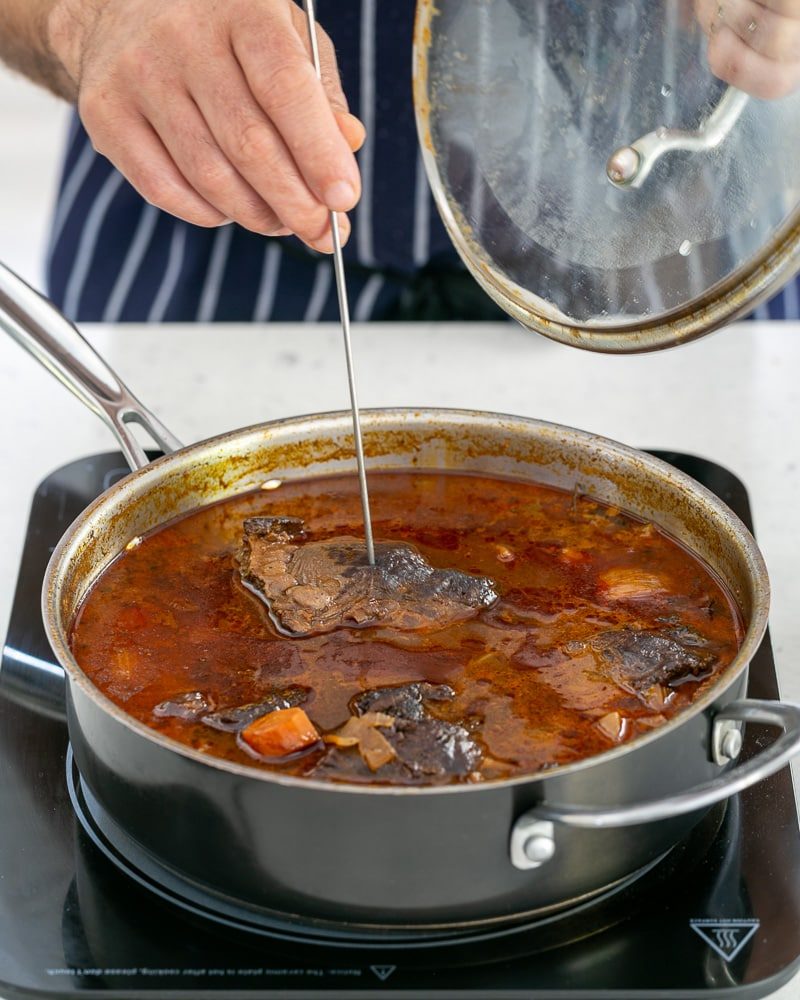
718,916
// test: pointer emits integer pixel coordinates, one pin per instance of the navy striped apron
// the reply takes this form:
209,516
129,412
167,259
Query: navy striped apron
114,258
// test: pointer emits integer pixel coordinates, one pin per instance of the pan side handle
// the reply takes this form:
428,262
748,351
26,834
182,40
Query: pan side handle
38,684
36,325
535,834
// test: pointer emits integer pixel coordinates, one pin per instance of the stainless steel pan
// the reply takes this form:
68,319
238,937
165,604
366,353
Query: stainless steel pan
393,861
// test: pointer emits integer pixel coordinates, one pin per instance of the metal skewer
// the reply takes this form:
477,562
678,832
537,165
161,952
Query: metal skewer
344,311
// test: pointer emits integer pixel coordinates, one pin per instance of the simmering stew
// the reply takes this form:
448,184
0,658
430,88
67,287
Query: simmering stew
508,627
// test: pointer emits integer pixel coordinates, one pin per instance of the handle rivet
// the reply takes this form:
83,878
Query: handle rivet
539,848
533,843
731,745
726,741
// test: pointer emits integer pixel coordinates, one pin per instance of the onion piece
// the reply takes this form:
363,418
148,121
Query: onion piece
628,584
362,731
614,726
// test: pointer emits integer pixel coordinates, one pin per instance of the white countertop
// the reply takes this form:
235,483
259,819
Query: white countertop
733,397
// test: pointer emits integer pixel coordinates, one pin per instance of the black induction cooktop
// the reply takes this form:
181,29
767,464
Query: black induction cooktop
719,916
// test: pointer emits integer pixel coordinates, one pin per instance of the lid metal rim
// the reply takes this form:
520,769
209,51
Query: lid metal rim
729,300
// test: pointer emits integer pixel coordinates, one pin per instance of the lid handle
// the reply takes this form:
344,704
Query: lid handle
628,166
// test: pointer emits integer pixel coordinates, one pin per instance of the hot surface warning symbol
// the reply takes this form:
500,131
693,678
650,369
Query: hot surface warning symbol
726,937
383,971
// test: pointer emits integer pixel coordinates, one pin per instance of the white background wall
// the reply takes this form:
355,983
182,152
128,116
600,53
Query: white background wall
32,132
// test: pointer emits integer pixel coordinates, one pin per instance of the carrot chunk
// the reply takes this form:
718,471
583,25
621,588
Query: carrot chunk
282,732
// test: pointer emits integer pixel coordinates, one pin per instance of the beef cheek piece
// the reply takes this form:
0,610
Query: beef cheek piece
640,659
421,749
404,702
314,587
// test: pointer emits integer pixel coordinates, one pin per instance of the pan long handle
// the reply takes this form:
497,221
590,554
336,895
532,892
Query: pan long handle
534,835
36,324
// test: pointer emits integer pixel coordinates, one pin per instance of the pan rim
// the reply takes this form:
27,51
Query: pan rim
422,417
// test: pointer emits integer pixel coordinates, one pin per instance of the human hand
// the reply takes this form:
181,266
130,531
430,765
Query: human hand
213,111
753,45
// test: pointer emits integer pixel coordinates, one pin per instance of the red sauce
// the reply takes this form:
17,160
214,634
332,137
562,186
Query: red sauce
531,682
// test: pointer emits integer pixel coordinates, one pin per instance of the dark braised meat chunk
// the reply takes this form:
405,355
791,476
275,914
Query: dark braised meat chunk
431,749
639,659
191,705
313,587
405,702
425,750
234,720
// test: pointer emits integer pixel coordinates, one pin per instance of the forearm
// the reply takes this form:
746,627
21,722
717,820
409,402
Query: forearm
24,45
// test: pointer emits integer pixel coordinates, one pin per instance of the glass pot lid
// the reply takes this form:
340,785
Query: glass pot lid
597,180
